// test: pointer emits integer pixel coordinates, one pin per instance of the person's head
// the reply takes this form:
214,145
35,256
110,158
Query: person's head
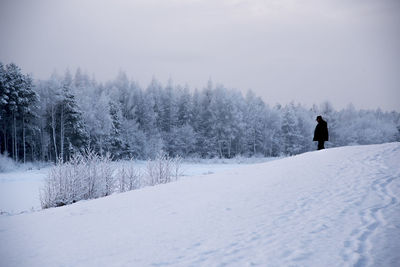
319,119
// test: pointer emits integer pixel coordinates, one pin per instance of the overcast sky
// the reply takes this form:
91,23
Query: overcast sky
306,51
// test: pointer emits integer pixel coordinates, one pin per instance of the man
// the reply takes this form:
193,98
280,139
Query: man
321,132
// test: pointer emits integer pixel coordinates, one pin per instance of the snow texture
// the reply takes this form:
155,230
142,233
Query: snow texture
19,189
335,207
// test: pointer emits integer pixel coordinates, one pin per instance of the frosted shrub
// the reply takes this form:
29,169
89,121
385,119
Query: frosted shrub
106,175
73,170
176,167
122,179
129,177
88,175
159,170
134,179
50,193
85,176
163,169
63,184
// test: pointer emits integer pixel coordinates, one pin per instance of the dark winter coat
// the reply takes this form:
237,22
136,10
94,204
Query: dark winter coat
321,131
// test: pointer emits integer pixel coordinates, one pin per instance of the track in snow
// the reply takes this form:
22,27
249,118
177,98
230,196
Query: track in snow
337,207
359,246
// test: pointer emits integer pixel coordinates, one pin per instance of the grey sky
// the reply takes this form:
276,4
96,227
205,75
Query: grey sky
307,51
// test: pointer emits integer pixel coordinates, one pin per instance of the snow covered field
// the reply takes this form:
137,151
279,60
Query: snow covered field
19,190
336,207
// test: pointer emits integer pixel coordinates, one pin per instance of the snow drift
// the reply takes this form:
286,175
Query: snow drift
336,207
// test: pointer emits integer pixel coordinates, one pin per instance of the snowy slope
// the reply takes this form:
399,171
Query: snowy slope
337,207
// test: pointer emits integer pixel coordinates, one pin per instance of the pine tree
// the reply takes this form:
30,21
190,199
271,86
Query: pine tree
184,107
206,143
27,110
134,139
73,134
183,141
3,109
168,116
115,139
14,83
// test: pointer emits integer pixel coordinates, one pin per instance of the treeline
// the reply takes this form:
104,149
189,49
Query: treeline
49,119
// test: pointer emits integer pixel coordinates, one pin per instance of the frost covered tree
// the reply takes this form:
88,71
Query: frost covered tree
183,141
73,134
97,118
272,133
184,106
115,139
291,135
206,139
133,138
255,123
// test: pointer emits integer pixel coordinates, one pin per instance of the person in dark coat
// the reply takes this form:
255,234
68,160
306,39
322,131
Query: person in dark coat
321,132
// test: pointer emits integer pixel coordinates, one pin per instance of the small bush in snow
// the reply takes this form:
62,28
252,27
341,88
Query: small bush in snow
85,176
129,177
177,167
163,169
88,175
63,184
106,175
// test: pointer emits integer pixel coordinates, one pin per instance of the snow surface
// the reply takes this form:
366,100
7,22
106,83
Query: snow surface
19,189
335,207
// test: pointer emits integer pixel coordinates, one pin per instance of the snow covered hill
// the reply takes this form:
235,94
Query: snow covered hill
336,207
